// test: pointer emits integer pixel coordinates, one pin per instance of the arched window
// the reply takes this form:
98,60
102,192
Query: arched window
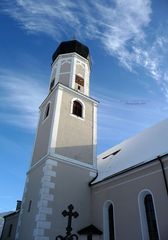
47,111
77,109
111,222
150,217
108,221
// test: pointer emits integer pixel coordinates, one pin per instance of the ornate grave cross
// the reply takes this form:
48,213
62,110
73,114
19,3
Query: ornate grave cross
70,214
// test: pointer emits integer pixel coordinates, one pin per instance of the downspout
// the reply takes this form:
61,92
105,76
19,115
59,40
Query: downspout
164,174
90,183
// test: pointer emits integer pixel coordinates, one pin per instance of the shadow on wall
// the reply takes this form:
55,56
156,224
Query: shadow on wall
80,153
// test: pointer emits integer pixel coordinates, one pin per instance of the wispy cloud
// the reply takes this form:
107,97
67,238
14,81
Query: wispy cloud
43,16
114,23
23,96
123,116
119,25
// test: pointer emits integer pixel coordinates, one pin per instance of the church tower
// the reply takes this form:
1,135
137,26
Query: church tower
64,157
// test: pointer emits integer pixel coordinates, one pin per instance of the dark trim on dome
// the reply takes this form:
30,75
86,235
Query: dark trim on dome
70,47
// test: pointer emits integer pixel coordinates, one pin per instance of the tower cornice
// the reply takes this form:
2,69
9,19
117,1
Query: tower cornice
59,86
62,159
72,54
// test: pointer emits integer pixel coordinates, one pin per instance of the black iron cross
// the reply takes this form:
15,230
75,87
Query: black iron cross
70,215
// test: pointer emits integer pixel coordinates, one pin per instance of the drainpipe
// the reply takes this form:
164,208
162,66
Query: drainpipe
164,174
90,183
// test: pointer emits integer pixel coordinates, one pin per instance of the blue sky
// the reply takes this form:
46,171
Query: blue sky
128,43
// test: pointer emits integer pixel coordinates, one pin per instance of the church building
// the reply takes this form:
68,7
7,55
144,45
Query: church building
70,193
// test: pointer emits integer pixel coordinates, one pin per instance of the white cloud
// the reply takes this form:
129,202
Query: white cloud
23,96
43,16
119,25
117,116
112,22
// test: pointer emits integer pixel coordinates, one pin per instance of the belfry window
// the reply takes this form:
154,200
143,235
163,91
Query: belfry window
77,109
79,80
47,111
150,217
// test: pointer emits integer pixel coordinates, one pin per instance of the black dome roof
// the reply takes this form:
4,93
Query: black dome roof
71,46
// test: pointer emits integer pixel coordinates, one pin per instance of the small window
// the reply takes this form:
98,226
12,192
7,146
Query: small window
29,207
77,109
10,230
52,84
79,87
47,111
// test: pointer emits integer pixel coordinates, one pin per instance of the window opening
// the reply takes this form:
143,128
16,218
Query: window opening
79,80
111,222
29,207
10,230
77,109
52,84
112,154
47,111
151,219
79,87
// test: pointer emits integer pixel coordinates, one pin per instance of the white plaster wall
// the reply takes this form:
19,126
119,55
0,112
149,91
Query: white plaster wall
124,191
75,137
